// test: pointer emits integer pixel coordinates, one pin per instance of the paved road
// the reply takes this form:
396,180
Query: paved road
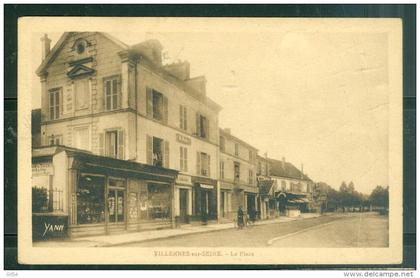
350,230
357,230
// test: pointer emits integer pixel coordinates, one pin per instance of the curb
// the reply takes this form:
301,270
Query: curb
192,233
272,240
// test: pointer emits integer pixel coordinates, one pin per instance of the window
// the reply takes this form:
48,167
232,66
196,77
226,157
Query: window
202,126
222,169
183,159
114,144
90,200
237,168
259,168
236,149
55,140
55,104
157,152
203,164
111,140
183,117
251,155
158,201
112,93
81,138
250,177
222,143
156,105
82,94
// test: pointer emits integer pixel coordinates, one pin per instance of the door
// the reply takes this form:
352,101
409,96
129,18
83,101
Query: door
183,204
116,205
222,203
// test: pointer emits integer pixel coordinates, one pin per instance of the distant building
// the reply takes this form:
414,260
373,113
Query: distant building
291,187
238,186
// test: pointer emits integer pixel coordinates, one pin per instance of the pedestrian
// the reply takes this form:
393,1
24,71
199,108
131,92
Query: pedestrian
240,218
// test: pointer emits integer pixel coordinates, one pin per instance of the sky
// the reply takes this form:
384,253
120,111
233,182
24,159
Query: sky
315,98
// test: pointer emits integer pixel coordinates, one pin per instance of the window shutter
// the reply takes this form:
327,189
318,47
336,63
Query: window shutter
208,165
149,150
60,95
207,128
181,160
121,144
198,164
119,92
165,110
166,154
149,102
197,121
185,159
185,118
181,116
101,144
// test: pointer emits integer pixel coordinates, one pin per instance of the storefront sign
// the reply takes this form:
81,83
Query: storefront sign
183,179
49,226
41,169
206,186
183,139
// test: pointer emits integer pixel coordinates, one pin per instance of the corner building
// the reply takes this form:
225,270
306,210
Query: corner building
104,98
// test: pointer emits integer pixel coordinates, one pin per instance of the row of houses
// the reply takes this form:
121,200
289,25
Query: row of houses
123,142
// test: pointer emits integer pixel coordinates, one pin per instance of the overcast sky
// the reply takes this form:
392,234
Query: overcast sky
317,98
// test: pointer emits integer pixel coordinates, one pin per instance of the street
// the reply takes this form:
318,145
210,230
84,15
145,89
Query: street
336,230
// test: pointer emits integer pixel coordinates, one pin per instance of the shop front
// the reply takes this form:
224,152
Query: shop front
108,196
227,213
204,199
183,199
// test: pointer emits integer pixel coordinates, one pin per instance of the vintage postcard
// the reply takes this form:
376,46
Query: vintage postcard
209,140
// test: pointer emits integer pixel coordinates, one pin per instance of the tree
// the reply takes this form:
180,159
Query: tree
380,196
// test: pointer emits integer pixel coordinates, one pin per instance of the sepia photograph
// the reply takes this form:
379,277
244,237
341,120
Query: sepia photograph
210,140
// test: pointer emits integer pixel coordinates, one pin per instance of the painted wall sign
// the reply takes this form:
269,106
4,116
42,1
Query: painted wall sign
40,169
206,186
183,139
183,179
49,226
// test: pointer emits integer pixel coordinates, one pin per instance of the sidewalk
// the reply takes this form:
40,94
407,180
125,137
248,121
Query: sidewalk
136,237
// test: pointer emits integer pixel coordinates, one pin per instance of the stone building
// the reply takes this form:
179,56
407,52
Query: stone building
238,186
291,188
112,100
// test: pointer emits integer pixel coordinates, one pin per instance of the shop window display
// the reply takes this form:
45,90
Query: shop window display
90,200
158,201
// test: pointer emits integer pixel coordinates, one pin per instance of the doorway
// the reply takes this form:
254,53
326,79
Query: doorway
183,204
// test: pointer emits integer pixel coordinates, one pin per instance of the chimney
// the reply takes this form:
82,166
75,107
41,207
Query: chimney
180,70
46,42
283,163
301,170
227,130
198,83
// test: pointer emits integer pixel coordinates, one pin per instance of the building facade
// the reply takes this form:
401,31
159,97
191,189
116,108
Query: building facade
291,188
120,102
238,186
